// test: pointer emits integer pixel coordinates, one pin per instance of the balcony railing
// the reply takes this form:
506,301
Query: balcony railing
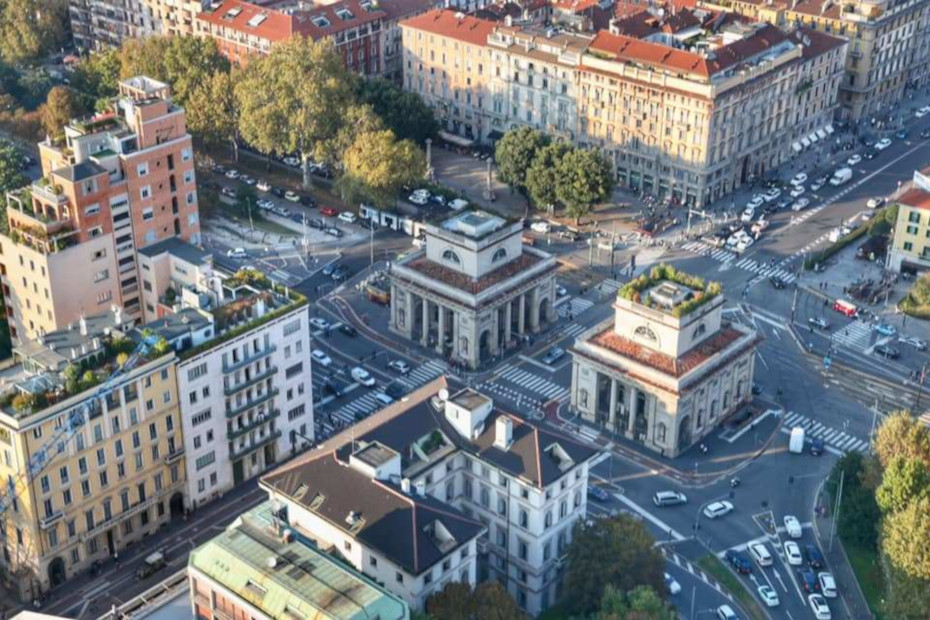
132,511
47,522
227,368
259,420
231,413
48,193
172,457
252,447
232,389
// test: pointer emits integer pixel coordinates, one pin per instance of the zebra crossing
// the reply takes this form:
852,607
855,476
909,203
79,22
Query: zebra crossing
760,268
574,307
833,437
610,286
545,389
705,249
573,330
423,374
857,335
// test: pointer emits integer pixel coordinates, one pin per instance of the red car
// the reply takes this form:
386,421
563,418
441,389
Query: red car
329,211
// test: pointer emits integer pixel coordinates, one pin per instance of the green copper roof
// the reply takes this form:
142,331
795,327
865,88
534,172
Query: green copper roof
290,580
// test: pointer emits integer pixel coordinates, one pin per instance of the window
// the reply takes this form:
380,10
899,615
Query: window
206,460
373,561
197,371
142,169
191,198
148,213
185,154
399,577
144,193
201,417
451,257
291,328
93,209
499,255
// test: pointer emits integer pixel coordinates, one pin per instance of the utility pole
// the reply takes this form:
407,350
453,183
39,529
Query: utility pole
371,246
248,205
920,387
794,303
693,597
836,509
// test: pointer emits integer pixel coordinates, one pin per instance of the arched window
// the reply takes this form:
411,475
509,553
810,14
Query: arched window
499,254
739,389
699,331
700,418
660,432
713,409
726,400
452,257
643,332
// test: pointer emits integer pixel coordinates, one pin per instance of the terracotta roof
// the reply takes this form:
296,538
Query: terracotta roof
466,283
359,12
644,23
400,9
236,15
815,7
613,342
447,23
915,197
575,6
818,43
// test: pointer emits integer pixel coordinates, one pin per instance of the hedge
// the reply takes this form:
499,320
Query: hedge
841,243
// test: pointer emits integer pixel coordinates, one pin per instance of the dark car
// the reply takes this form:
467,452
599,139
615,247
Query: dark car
738,561
870,153
887,352
902,134
335,387
597,493
340,273
777,283
218,168
307,201
396,390
298,217
784,203
814,556
925,134
315,223
817,446
329,269
348,330
809,580
867,141
334,232
277,192
756,389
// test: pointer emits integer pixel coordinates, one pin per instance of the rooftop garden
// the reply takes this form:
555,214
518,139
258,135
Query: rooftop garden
701,291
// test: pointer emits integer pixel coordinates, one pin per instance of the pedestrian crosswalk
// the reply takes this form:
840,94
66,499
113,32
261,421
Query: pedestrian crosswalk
833,437
705,249
574,329
766,270
574,307
857,335
423,374
540,387
610,286
760,268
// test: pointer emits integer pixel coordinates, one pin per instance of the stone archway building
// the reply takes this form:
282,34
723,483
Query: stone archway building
474,290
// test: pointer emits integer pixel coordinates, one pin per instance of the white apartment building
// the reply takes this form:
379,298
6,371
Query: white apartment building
521,488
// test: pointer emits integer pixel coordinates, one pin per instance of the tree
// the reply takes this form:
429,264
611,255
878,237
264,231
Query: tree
383,165
615,551
902,435
515,153
212,113
542,175
11,169
30,28
906,598
183,62
859,518
293,99
585,179
62,105
457,601
403,112
359,119
904,537
643,603
905,480
920,291
97,75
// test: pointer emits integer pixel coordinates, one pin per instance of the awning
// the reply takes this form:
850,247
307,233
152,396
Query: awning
829,128
454,139
797,147
495,135
805,142
821,134
812,138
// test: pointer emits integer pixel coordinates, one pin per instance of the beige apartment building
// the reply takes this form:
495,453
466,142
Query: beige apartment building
910,246
175,17
117,181
107,465
692,115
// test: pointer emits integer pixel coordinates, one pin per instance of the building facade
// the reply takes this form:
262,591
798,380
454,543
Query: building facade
474,290
910,248
117,182
667,369
302,580
119,477
508,494
175,17
101,24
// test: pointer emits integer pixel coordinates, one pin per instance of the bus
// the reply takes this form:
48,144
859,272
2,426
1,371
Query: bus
844,307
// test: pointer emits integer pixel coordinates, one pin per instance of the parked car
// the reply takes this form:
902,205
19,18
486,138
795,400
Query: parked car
334,232
458,204
321,357
870,154
263,186
264,204
237,253
348,217
819,607
399,366
152,564
540,227
875,203
419,197
814,556
553,355
799,178
291,196
901,135
792,526
917,343
597,493
362,376
854,159
925,134
277,192
883,350
793,553
738,561
232,174
229,192
883,144
768,596
328,211
718,509
307,201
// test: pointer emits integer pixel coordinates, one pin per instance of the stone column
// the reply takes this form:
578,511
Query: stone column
456,347
614,393
441,336
534,310
520,317
394,306
508,310
495,330
425,337
631,420
408,315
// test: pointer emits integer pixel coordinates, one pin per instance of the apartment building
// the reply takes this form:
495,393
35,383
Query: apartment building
242,29
100,24
254,570
175,17
392,44
910,245
116,182
693,112
441,487
244,374
92,470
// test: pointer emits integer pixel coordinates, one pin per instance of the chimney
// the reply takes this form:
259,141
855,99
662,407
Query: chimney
421,488
503,432
405,485
83,325
508,21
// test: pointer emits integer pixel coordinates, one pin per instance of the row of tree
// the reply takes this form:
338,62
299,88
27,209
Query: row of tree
553,174
30,29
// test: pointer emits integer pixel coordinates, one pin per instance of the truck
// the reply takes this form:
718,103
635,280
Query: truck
841,176
152,564
796,440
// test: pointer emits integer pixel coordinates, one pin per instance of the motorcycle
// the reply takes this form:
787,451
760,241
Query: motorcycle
734,482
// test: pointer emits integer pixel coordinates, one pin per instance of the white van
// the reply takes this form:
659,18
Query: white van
761,554
669,498
796,441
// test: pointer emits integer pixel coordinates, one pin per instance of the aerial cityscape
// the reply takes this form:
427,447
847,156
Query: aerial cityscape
465,309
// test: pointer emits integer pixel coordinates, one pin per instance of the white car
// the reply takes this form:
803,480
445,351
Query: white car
319,323
263,186
792,526
232,174
818,184
768,596
322,358
237,253
798,191
419,197
540,227
755,203
744,243
673,586
761,554
725,612
383,398
247,180
717,509
772,194
458,204
291,196
760,225
748,215
855,159
883,144
914,341
922,112
799,178
399,366
819,607
363,376
793,553
348,217
827,585
291,161
800,204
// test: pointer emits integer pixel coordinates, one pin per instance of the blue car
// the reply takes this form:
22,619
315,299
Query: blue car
885,330
597,493
902,134
738,561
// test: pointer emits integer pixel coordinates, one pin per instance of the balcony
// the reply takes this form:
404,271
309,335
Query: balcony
172,457
132,511
47,192
229,391
232,413
47,522
237,454
227,368
259,420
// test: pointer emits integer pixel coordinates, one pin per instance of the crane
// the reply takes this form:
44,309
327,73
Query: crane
75,421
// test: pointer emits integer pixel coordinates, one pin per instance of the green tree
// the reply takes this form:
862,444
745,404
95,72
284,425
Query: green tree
293,99
904,537
617,551
62,105
643,603
212,112
585,179
905,480
515,153
902,435
859,519
542,175
358,120
383,165
11,168
97,76
30,28
488,601
920,291
183,62
906,598
403,112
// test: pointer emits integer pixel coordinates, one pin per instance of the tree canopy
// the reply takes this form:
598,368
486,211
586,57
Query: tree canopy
585,179
458,601
31,28
642,603
403,112
62,105
212,111
902,435
905,480
616,551
383,165
515,153
542,177
11,171
904,537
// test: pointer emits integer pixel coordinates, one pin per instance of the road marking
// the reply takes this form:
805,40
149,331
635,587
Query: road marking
648,516
748,427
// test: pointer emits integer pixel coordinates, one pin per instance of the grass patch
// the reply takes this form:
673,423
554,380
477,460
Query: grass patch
713,566
911,308
868,569
833,249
